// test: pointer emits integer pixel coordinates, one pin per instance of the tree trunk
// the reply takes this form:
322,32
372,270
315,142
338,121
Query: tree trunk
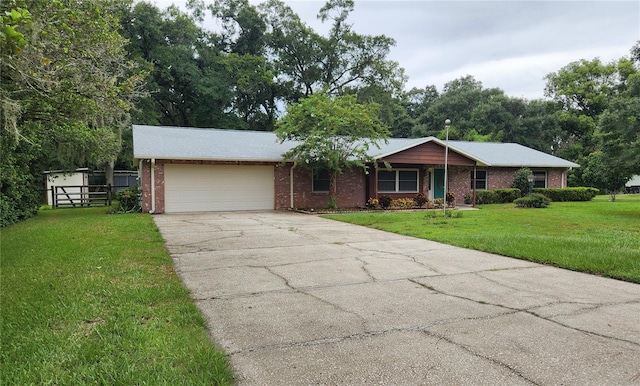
108,172
333,204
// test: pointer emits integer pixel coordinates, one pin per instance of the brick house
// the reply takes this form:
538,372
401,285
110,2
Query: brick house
192,170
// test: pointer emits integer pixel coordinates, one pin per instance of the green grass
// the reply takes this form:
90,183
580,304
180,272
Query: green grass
91,298
598,237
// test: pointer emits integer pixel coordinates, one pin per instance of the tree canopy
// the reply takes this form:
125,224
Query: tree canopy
67,89
334,133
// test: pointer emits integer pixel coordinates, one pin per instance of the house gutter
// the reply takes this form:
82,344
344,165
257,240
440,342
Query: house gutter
291,184
153,186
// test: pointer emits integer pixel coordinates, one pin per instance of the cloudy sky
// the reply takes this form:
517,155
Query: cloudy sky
511,45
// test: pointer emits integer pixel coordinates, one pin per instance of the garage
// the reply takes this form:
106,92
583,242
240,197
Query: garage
212,188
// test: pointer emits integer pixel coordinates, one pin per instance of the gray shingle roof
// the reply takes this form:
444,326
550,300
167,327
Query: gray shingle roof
166,142
181,143
509,154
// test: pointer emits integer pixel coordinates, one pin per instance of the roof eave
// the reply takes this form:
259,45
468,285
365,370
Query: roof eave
270,160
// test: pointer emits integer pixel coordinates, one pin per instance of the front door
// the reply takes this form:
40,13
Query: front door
438,183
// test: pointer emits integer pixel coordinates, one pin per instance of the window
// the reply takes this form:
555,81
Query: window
399,180
320,181
386,181
539,179
481,179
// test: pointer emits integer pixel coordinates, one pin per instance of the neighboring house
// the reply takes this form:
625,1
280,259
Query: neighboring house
192,170
633,185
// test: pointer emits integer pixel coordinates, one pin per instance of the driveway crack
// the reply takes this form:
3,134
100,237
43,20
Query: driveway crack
483,357
530,312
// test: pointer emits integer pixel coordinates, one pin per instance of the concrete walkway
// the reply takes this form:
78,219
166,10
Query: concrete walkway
296,300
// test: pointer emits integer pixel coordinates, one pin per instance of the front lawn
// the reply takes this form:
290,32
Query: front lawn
91,298
598,237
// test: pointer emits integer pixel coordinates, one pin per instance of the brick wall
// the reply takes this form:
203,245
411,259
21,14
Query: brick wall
159,186
497,178
350,189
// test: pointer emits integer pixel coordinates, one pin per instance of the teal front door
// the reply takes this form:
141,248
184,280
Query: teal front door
438,183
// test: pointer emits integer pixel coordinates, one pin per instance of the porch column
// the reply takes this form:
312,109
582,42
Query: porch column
375,180
473,202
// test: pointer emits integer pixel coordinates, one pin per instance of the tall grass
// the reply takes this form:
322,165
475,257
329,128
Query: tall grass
91,298
598,237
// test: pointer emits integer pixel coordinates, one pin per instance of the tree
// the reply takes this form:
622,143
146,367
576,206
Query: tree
619,125
341,63
199,78
598,113
478,114
582,91
334,133
66,93
601,172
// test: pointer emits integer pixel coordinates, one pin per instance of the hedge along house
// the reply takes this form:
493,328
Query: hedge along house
193,170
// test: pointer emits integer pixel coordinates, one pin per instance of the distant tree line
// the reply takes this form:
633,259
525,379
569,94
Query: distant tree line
76,74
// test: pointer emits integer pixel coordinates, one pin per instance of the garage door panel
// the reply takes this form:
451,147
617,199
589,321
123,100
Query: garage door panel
197,188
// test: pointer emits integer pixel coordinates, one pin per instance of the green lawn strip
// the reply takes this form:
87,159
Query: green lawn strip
598,237
93,298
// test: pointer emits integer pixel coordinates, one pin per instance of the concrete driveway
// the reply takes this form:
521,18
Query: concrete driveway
296,299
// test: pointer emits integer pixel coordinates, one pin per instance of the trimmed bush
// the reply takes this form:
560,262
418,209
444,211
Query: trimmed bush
497,196
568,194
521,180
486,197
535,200
420,199
385,201
508,195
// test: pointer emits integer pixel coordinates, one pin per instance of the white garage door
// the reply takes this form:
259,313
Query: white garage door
211,188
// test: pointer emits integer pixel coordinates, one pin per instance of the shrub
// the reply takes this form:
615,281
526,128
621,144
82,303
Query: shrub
451,198
403,203
507,195
468,199
128,200
497,196
420,199
385,201
486,197
521,180
535,200
568,194
438,202
372,203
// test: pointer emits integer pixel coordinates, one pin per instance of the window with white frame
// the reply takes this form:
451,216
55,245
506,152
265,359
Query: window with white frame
481,179
539,179
320,182
398,181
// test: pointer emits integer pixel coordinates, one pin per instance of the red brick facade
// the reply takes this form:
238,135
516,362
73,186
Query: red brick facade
353,187
497,178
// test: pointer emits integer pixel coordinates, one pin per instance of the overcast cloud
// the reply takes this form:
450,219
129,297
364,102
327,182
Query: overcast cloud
511,45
